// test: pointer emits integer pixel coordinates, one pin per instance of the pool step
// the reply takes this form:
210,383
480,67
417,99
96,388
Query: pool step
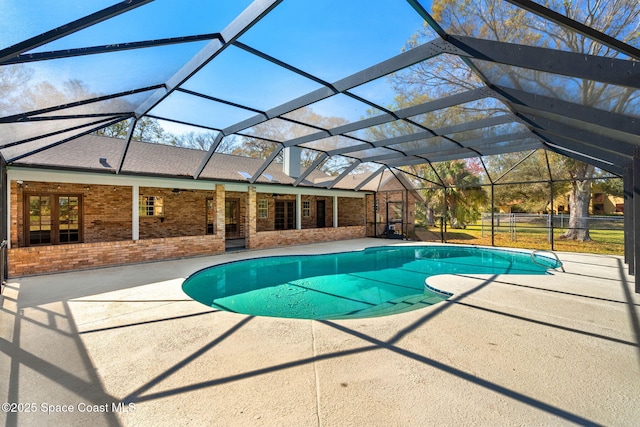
391,307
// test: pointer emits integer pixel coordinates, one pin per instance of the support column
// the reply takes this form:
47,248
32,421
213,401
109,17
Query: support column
4,221
251,218
493,216
220,215
335,211
298,211
375,214
444,215
135,212
551,237
636,218
628,218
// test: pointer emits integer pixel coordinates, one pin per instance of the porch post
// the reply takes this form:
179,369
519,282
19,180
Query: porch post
251,218
298,211
628,218
551,237
636,218
443,227
493,215
4,218
135,212
220,197
335,211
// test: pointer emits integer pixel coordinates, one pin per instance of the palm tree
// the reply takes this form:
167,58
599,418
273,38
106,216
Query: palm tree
464,196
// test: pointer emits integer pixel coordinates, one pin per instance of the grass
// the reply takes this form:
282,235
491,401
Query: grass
609,242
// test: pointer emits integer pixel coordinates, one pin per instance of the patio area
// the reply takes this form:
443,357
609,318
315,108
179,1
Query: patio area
125,346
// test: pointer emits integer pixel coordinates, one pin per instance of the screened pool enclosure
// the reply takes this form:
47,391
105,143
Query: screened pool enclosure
354,89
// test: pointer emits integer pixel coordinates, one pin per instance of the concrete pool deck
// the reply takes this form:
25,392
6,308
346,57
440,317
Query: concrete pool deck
125,346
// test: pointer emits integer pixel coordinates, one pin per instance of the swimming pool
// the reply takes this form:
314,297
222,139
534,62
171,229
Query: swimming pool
372,282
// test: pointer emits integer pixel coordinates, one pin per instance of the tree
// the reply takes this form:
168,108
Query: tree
529,174
501,21
461,178
579,198
13,80
147,129
199,141
261,145
464,196
612,186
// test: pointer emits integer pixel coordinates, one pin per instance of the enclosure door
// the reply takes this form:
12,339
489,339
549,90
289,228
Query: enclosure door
395,226
320,214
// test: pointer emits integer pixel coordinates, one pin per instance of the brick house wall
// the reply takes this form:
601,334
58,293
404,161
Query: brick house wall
350,212
268,223
106,209
377,219
107,231
26,261
243,210
311,221
370,203
272,239
184,213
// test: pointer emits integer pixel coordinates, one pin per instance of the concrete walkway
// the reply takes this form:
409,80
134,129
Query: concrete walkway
125,346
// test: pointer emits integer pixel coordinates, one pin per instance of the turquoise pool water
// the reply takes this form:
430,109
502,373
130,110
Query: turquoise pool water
373,282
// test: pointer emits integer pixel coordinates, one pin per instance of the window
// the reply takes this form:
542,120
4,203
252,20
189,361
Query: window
263,208
306,208
285,215
151,206
211,216
53,219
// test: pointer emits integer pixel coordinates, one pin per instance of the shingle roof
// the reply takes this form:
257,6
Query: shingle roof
100,153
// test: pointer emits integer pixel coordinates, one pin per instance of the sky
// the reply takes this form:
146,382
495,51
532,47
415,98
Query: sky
330,38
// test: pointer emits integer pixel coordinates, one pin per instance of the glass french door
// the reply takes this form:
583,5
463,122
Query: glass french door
53,219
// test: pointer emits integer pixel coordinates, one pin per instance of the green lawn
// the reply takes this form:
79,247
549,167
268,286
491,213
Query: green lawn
603,241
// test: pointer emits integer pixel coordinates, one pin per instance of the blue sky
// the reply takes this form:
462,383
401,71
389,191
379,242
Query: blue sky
330,38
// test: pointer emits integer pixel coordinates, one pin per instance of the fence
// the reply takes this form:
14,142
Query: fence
514,223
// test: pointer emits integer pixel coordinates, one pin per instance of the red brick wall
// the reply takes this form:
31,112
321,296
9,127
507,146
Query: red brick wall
26,261
106,209
184,213
243,220
271,239
312,220
350,211
268,224
107,231
371,215
380,217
